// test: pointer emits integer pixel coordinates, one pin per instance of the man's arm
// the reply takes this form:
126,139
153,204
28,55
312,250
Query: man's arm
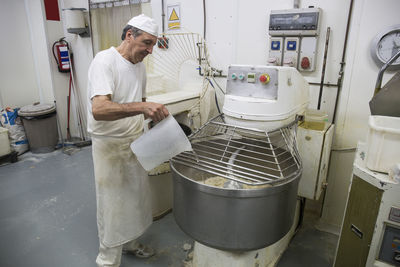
104,109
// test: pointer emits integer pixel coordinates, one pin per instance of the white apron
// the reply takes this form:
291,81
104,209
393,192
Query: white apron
122,191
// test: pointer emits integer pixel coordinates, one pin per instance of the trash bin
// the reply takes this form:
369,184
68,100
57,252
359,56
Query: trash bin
40,123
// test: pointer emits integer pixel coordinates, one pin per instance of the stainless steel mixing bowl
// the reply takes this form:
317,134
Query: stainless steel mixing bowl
253,216
232,219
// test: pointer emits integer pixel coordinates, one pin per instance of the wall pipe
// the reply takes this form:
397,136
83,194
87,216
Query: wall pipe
198,45
296,4
342,63
325,84
204,19
163,16
339,87
90,27
321,88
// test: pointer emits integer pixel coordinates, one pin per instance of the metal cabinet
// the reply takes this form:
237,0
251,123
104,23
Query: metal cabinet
370,234
314,148
358,225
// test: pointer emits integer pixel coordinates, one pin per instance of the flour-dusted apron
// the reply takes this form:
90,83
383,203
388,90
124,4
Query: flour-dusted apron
122,191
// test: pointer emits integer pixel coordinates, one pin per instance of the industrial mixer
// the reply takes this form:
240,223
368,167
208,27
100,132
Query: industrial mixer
235,194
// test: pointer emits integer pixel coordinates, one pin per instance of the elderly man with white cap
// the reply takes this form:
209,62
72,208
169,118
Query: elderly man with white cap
116,111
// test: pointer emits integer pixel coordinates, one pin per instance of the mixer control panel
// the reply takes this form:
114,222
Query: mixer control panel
254,81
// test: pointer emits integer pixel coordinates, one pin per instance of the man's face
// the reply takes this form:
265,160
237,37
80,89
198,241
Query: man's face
140,46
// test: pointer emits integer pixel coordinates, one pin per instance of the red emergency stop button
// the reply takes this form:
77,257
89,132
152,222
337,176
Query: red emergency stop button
305,63
264,78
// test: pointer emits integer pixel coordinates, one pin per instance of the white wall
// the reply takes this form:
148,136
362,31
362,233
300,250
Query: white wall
18,86
41,53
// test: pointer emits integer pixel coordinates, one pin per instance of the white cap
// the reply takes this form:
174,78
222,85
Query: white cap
144,23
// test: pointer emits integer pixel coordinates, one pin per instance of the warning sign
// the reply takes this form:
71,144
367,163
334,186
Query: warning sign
174,17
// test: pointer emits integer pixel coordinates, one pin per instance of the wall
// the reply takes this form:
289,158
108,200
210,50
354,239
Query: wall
28,71
40,49
81,47
18,86
55,31
237,33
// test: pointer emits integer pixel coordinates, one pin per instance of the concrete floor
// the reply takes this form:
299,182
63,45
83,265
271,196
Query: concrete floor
48,218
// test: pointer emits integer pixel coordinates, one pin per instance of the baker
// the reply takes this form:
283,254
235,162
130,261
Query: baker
117,108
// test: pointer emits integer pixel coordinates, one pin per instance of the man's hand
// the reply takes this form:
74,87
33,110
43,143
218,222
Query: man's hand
154,111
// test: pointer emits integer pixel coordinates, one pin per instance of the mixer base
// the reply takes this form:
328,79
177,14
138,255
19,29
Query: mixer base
204,256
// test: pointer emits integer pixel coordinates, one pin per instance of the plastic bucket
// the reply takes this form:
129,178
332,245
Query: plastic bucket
315,119
161,143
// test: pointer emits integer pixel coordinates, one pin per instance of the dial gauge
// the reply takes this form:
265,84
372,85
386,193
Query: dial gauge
385,45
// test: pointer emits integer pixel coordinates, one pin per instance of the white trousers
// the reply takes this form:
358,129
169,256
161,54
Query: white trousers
111,257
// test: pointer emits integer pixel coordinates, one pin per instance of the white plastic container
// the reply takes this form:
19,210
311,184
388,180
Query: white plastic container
160,143
5,147
383,143
315,119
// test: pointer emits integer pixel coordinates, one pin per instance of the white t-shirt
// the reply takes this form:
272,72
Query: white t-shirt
111,74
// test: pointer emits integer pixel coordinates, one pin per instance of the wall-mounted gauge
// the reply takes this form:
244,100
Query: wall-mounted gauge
385,45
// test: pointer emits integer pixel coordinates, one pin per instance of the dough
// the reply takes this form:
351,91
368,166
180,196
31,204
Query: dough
219,181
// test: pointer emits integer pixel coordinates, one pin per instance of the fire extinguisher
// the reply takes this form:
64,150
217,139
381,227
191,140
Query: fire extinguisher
62,55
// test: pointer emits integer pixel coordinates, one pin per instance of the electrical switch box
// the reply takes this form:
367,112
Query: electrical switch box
293,37
295,22
308,54
275,51
291,51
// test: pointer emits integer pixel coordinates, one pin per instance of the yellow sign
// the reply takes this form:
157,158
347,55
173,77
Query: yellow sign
174,17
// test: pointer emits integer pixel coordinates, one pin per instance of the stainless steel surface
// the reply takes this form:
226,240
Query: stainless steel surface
382,70
237,219
321,85
386,101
